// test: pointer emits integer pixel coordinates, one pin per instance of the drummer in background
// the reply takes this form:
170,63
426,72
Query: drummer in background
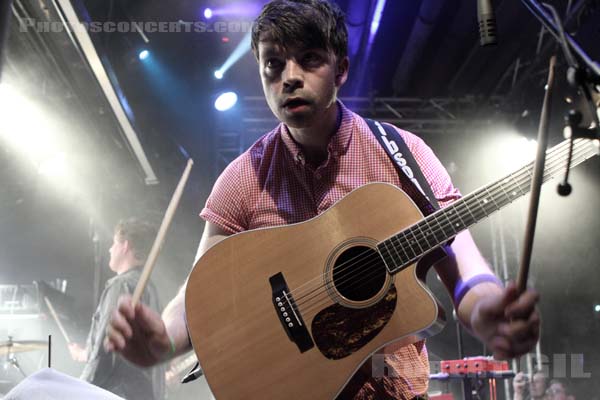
132,242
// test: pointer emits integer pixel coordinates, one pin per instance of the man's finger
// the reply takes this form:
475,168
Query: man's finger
523,306
126,307
119,323
520,348
500,343
521,330
517,331
149,321
115,339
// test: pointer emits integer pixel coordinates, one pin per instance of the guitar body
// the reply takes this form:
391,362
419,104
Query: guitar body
343,312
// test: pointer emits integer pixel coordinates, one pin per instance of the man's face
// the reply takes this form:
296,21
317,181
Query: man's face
300,85
556,391
117,252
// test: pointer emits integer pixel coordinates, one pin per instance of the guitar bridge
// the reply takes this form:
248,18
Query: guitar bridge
289,315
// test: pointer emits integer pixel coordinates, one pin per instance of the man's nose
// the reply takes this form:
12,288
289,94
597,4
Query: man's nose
293,76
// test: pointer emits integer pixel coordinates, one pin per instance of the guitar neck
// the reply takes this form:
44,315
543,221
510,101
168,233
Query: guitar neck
409,245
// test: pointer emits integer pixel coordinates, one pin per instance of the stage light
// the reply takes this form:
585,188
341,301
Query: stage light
241,49
507,150
26,126
208,13
597,308
144,54
519,150
226,101
54,167
376,19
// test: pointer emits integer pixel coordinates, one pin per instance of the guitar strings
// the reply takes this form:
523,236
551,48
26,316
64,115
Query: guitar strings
368,278
525,171
520,183
349,263
376,257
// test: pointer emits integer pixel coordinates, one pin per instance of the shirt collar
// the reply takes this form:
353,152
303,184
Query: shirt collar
338,144
134,270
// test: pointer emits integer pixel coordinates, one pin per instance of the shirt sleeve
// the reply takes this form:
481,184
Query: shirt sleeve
225,205
434,172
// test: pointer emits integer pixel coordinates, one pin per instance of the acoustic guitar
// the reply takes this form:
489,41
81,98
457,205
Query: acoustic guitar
292,312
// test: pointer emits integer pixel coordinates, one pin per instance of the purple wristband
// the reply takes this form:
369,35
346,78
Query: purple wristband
463,287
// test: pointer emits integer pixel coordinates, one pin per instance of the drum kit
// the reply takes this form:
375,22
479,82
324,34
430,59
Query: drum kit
8,352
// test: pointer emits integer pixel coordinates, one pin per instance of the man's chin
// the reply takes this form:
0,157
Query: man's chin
297,120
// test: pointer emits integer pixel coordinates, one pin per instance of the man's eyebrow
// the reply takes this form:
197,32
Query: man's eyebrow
270,51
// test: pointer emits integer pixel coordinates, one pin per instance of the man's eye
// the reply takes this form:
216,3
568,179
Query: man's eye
311,58
273,64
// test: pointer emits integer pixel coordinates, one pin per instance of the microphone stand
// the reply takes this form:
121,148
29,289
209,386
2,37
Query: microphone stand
583,72
591,68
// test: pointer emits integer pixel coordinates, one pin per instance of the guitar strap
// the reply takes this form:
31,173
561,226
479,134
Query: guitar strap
405,163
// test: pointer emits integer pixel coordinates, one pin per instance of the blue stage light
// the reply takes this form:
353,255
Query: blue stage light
144,54
208,13
219,74
226,101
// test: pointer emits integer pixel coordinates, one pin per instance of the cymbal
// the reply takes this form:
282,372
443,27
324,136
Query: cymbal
21,346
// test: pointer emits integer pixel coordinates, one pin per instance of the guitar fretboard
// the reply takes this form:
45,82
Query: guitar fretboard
404,248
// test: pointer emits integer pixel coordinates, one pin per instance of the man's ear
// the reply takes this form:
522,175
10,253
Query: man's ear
343,67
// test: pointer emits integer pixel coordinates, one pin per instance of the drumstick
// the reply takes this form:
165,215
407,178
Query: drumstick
160,237
536,181
55,316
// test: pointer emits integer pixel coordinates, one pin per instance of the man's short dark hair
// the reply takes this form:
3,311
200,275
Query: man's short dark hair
139,234
302,24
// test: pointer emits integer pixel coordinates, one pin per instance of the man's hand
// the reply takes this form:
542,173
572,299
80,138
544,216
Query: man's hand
138,334
508,324
78,353
519,385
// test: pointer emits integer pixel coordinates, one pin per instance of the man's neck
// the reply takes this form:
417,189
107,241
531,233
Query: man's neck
126,267
314,140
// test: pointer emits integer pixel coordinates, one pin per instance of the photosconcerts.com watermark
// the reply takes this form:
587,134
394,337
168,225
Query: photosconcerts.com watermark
30,24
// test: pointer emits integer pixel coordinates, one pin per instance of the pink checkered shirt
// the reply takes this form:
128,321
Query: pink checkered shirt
270,184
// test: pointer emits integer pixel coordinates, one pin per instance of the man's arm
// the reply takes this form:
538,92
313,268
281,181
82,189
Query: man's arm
141,335
507,323
174,313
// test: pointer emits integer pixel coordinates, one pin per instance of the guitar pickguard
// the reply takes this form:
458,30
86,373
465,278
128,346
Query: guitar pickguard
339,331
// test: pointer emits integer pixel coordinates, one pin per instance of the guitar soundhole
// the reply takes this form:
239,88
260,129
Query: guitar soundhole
359,273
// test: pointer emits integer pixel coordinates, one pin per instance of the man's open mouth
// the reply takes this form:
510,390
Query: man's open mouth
293,103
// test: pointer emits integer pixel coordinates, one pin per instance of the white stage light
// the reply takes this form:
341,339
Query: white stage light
226,101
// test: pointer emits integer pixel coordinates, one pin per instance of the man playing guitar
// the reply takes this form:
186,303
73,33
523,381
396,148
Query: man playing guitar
319,153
